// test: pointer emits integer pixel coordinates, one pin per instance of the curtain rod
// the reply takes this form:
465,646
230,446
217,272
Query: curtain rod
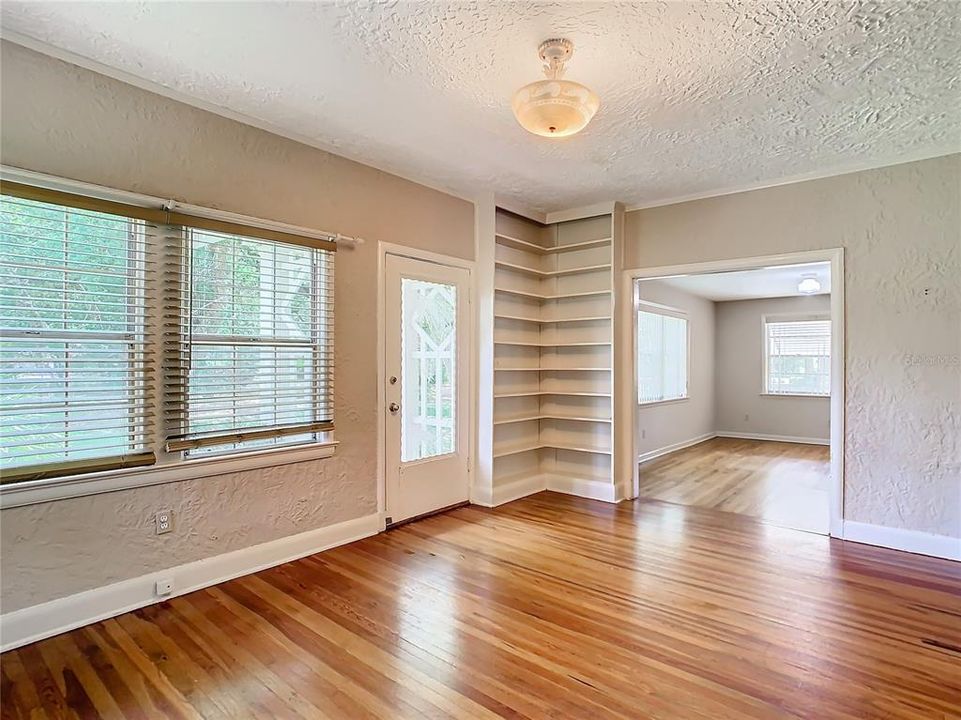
52,182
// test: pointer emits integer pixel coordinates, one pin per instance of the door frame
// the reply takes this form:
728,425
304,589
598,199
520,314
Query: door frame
383,250
833,255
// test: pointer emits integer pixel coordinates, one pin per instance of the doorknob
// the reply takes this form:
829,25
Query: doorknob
393,407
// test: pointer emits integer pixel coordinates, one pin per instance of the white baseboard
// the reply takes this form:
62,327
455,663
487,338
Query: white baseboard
585,488
518,489
773,438
30,624
508,492
581,487
482,496
651,454
911,541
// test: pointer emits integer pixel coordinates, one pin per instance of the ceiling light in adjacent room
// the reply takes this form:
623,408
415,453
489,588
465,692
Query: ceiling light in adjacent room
554,107
809,284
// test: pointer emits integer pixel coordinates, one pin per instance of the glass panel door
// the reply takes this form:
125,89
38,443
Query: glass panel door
428,369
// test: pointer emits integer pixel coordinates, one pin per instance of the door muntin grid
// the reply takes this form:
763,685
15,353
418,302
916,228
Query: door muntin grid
428,369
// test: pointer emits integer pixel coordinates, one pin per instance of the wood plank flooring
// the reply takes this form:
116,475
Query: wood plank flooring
549,607
787,484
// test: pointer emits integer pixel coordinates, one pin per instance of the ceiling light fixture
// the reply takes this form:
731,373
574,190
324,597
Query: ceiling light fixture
554,107
809,284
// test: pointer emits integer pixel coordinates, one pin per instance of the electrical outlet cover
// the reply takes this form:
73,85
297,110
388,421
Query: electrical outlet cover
164,521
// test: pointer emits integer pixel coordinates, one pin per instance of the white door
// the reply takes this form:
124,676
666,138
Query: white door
427,386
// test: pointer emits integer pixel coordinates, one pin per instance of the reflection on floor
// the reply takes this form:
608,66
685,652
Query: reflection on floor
547,607
786,484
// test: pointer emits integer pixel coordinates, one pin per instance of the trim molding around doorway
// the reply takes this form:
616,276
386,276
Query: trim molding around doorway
836,257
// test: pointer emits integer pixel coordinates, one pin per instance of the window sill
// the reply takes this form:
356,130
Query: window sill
795,395
663,402
40,491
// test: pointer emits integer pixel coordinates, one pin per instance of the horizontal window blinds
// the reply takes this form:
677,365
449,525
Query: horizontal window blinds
661,357
798,357
74,362
121,325
249,341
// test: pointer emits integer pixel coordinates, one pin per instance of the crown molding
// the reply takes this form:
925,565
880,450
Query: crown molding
846,169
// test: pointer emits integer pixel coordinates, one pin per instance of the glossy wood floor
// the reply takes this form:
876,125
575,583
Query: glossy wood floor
785,483
549,607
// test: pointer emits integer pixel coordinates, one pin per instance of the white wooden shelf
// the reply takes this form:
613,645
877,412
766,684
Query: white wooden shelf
539,445
512,267
559,296
572,418
535,393
540,369
519,244
556,321
550,345
577,421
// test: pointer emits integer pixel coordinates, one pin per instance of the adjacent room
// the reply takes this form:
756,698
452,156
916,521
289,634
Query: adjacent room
734,392
475,360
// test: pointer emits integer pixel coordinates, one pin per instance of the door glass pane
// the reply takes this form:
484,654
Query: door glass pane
428,369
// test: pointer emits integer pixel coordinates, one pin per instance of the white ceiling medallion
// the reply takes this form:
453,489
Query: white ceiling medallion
809,284
554,107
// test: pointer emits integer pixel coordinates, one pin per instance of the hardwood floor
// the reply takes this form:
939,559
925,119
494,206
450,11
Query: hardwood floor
549,607
787,484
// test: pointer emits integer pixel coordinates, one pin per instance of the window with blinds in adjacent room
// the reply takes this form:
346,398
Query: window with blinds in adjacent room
797,356
662,354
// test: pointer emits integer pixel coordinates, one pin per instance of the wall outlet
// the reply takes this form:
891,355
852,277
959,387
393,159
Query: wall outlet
165,521
643,434
164,587
747,418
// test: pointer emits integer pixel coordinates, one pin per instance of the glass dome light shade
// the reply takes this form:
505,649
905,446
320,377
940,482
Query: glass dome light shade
554,108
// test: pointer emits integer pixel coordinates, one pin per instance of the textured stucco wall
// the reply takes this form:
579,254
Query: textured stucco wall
664,424
66,121
900,227
739,348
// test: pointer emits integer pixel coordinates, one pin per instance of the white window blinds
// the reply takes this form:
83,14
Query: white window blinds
662,357
798,357
122,325
249,341
74,390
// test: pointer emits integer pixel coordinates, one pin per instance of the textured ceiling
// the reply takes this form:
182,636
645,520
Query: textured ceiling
696,98
769,282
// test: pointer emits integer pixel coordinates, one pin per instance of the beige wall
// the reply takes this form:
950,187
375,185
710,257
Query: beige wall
900,228
662,425
740,407
66,121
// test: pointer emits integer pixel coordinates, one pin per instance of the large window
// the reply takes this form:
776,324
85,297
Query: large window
134,335
255,344
73,385
662,354
797,356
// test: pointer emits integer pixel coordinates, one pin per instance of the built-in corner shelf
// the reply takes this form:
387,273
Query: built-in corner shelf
553,359
528,447
526,246
511,267
554,296
554,369
554,321
565,418
538,393
588,343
